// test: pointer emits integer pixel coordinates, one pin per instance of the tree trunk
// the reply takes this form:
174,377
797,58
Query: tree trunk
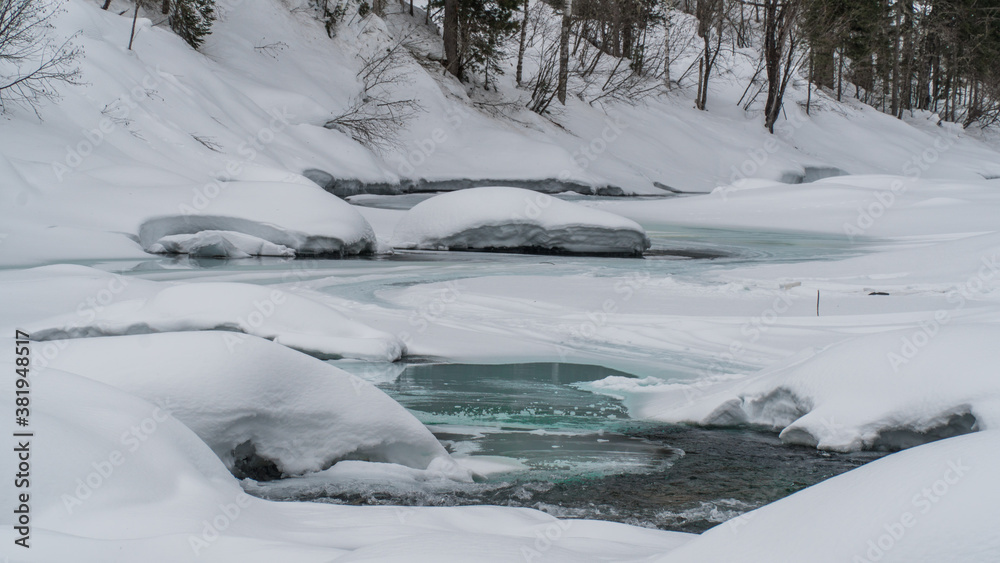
107,4
451,37
564,52
135,16
706,64
520,48
666,43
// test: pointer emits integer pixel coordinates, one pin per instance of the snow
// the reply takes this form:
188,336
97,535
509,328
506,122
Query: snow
163,127
305,219
166,149
298,412
513,219
218,244
117,478
107,305
936,502
885,390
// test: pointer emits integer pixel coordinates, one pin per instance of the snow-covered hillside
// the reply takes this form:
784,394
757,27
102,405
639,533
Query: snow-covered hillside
161,375
164,130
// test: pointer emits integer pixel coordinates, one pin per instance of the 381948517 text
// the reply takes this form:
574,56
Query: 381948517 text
22,438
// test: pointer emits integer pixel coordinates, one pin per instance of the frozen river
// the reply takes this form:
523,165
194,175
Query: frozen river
527,422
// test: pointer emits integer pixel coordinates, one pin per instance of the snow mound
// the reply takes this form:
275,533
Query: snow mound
219,244
116,478
884,391
496,218
935,503
260,218
289,319
265,410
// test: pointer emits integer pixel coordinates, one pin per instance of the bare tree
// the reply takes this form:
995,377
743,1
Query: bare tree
375,117
521,46
31,63
779,52
711,16
564,51
451,37
667,8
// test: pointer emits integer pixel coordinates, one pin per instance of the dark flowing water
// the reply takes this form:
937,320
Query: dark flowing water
578,455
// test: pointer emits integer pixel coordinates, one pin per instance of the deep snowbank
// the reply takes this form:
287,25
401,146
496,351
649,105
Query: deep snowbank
163,126
301,218
104,304
502,218
890,390
116,478
934,503
256,403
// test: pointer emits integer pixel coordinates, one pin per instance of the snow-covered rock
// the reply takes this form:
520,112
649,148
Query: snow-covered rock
890,390
502,218
272,218
255,402
119,478
107,305
219,244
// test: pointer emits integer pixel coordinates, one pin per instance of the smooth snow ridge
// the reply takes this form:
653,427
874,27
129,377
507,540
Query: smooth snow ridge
137,306
235,237
504,218
890,391
265,410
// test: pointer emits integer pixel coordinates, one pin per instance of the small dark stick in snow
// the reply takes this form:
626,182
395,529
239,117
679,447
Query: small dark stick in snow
817,302
135,16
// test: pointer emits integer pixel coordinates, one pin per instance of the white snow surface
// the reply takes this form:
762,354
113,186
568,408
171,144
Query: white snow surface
514,218
936,502
163,128
875,390
299,412
105,304
219,244
115,479
272,218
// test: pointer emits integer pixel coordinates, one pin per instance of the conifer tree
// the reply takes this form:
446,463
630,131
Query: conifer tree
192,20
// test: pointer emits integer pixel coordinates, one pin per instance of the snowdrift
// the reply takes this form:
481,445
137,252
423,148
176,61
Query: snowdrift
119,478
932,503
514,219
261,219
264,409
888,391
107,305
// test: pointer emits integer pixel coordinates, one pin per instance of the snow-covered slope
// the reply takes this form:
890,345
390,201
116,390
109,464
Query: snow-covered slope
162,129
